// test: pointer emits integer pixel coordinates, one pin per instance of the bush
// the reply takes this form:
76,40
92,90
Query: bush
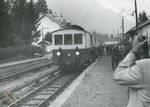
19,53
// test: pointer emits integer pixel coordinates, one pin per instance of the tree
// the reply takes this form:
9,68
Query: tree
41,7
24,17
48,37
31,20
4,23
19,19
105,37
19,22
111,36
142,17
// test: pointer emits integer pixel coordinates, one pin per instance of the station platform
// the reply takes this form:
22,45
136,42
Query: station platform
94,88
23,61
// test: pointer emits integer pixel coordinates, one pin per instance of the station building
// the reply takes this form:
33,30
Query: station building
46,24
143,28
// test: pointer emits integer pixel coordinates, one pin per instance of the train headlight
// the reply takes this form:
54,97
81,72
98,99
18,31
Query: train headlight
58,53
77,53
69,54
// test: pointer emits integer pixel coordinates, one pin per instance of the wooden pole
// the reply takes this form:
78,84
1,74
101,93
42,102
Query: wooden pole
123,26
136,17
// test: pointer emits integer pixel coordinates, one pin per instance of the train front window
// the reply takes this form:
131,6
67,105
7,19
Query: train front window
58,39
68,39
78,38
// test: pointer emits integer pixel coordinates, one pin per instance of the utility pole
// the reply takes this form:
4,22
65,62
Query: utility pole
122,21
118,35
136,17
123,26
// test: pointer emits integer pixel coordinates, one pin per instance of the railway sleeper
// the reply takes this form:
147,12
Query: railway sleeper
35,98
27,105
49,89
55,87
39,96
37,102
44,93
60,83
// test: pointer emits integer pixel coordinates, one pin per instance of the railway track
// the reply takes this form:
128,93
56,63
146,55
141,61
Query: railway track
41,94
24,69
44,94
29,69
12,66
28,82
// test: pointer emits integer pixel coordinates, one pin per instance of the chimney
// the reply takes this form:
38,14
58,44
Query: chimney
40,15
49,11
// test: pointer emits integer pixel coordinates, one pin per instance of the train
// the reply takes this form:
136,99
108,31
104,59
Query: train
73,47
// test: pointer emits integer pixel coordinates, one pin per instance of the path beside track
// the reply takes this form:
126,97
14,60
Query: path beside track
98,88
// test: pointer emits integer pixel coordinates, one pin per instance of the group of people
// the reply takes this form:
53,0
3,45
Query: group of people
117,52
104,50
130,71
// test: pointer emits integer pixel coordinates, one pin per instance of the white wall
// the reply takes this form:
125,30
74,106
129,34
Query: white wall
47,25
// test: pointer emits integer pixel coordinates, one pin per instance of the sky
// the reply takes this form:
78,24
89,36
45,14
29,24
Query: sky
103,16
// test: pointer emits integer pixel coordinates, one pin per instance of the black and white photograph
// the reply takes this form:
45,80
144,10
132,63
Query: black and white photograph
74,53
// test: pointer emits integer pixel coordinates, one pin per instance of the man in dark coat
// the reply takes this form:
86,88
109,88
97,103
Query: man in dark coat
115,56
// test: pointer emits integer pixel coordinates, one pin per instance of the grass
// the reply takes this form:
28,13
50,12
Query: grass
19,53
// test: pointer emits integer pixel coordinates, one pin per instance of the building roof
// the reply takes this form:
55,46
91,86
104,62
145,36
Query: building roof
68,29
140,25
45,42
58,21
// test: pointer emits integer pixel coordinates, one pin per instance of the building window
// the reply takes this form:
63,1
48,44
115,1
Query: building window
68,39
48,37
78,38
58,39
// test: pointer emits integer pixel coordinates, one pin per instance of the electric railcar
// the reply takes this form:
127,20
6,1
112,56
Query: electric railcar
73,47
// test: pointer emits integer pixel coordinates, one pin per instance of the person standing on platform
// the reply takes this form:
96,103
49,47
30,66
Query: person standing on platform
107,50
104,51
115,56
135,74
123,51
100,51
